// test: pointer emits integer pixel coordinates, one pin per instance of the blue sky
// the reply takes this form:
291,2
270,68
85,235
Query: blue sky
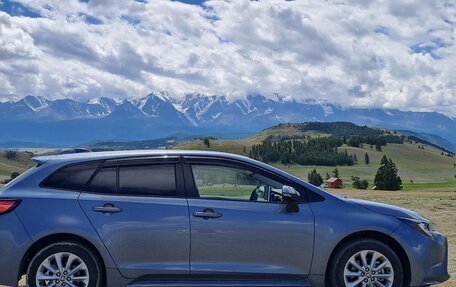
392,54
17,9
193,2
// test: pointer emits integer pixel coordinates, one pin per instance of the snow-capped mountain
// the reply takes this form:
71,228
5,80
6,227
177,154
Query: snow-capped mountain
108,105
157,114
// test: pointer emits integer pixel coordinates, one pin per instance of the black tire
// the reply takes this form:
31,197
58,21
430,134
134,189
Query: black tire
94,267
346,251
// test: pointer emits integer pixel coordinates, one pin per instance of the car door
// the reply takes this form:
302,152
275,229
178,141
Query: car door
139,209
240,224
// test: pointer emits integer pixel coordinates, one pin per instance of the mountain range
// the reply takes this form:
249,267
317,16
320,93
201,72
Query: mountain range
64,122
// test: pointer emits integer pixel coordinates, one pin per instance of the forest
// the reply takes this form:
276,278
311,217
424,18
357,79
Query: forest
305,150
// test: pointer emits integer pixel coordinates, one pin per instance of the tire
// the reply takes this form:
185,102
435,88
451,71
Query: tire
79,267
344,269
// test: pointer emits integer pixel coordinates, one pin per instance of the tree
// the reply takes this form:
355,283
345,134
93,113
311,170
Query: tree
335,173
328,176
355,158
359,184
386,177
366,158
207,142
315,178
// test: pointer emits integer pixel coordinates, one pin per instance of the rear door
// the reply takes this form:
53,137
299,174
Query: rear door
140,212
240,225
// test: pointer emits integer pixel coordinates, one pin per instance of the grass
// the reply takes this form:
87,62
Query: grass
21,163
418,169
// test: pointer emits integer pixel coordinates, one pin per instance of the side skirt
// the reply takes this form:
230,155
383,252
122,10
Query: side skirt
221,284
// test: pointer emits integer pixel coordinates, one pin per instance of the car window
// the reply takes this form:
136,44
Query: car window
220,182
72,177
105,181
159,180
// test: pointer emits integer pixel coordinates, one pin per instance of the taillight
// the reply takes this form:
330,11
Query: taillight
8,205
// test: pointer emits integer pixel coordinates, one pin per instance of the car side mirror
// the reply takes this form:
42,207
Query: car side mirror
290,194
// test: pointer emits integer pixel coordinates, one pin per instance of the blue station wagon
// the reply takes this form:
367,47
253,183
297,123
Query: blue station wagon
194,218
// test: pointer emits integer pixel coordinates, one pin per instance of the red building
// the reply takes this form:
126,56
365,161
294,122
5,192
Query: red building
334,182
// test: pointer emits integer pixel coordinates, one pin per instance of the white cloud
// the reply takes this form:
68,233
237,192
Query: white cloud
353,53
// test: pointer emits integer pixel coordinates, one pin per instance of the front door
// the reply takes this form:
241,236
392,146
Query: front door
139,210
240,226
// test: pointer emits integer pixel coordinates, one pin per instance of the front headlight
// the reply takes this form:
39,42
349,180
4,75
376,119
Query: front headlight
425,227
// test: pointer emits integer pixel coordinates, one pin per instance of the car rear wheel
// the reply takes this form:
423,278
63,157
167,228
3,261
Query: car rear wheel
64,265
365,263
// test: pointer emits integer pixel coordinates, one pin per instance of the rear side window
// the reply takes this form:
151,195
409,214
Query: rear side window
105,181
159,180
73,177
151,180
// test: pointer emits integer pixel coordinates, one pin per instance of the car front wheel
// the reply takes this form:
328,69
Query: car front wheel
365,263
64,265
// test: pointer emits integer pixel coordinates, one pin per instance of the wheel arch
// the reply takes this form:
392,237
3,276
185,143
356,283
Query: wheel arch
382,237
38,245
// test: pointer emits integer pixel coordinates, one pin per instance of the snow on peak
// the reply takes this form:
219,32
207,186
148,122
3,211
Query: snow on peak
327,110
36,103
162,95
95,101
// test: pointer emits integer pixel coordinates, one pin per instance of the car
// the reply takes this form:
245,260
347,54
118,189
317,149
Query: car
199,218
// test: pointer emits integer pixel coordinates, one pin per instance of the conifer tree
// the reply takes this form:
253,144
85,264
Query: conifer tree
386,177
366,158
335,173
315,178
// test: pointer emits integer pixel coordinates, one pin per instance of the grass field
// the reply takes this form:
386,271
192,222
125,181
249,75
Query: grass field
419,169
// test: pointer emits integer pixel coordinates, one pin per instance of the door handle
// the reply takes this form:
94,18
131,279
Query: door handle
108,208
207,214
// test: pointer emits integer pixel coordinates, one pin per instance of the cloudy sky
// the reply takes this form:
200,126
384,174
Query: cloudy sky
392,54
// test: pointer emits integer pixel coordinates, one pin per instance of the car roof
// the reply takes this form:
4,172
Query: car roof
103,155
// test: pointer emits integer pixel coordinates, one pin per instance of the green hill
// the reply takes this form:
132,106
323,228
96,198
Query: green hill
419,168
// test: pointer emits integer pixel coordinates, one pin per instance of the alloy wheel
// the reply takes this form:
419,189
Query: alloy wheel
368,268
62,269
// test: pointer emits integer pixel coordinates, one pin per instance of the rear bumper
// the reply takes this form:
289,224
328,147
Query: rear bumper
13,242
428,257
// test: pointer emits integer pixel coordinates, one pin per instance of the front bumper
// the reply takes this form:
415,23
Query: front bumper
428,257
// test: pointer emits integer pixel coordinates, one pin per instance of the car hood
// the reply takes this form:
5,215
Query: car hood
390,210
